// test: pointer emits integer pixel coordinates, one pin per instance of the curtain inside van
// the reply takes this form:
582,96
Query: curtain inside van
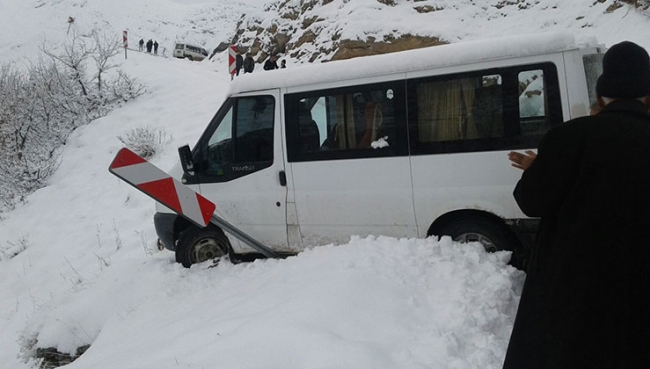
346,129
445,110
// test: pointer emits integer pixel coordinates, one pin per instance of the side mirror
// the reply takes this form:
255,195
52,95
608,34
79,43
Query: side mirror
187,162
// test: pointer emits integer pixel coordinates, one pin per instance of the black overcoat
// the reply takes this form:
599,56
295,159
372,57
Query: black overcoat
586,299
239,62
249,64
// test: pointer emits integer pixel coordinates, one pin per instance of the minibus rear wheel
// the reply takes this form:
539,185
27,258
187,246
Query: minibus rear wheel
473,227
196,245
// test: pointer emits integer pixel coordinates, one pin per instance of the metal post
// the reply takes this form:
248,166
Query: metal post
245,238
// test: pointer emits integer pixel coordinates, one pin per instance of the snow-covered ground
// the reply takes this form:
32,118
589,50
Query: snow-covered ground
79,263
90,272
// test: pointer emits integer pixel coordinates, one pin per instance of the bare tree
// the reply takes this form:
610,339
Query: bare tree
73,56
39,109
106,48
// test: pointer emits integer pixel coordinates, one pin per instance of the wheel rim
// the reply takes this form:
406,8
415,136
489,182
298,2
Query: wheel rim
207,249
477,237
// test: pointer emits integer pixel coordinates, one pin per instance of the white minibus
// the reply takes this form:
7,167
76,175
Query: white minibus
190,52
408,144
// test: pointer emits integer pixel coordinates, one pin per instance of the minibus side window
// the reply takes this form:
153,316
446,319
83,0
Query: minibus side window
462,108
347,123
486,110
241,142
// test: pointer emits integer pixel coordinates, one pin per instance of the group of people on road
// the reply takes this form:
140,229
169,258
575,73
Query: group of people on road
151,45
248,63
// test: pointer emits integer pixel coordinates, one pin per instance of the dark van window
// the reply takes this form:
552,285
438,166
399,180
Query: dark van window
499,109
239,140
348,123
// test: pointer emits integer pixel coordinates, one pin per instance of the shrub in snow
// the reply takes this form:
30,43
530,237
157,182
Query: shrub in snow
145,141
12,249
40,105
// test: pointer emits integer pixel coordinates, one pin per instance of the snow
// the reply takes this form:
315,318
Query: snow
79,263
410,60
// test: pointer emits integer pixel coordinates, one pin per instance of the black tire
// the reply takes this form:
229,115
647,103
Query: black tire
493,235
189,57
196,245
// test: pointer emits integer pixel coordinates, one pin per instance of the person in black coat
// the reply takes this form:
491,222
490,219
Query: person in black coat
249,63
239,62
586,298
149,45
270,63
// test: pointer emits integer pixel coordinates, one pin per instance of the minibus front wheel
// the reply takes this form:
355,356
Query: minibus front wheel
196,245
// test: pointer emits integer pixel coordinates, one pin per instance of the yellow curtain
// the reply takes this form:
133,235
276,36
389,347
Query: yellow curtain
445,110
345,129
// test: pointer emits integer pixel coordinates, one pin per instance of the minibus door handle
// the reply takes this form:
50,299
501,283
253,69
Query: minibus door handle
283,178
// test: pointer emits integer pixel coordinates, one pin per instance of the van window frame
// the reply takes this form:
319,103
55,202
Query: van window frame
511,139
235,169
397,148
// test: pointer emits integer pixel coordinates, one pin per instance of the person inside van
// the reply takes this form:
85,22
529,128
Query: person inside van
373,118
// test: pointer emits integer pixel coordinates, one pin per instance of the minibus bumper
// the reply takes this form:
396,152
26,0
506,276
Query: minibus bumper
164,225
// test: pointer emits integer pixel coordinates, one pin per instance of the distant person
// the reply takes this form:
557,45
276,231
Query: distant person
155,47
239,62
270,63
249,63
585,301
140,45
149,45
283,64
373,117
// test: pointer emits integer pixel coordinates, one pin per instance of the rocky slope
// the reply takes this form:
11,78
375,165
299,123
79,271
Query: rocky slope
322,30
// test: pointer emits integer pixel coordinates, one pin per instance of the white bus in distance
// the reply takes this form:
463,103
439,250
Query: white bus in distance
409,144
190,52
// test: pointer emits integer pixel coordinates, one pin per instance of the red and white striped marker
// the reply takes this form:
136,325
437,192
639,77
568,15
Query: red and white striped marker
232,60
160,186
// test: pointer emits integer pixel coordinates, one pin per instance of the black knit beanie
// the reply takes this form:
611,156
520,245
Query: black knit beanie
626,72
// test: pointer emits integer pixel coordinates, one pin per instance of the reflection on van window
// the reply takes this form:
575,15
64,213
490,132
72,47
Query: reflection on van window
531,94
346,121
593,68
243,135
460,108
533,102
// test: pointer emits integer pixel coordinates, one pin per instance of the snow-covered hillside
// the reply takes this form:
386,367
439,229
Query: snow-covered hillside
79,263
26,25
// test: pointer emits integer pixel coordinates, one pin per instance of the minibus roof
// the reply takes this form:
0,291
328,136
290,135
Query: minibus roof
405,61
